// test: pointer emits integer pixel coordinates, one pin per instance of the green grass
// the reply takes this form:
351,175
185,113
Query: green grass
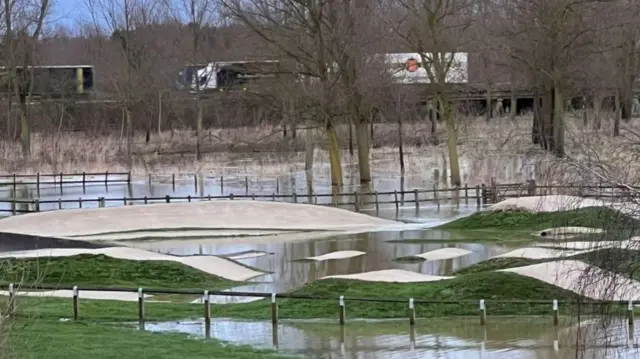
54,340
472,287
104,271
617,260
598,217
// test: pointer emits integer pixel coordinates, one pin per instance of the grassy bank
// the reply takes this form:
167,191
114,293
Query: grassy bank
489,286
618,260
598,217
52,340
104,271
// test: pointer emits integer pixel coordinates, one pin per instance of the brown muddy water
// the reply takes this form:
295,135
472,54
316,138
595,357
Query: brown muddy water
501,338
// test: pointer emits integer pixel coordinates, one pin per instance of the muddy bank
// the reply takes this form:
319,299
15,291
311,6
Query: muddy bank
24,242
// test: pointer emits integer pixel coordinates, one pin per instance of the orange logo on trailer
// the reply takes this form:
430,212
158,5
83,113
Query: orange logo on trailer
412,65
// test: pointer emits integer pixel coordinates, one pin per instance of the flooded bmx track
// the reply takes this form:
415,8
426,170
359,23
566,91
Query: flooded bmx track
501,338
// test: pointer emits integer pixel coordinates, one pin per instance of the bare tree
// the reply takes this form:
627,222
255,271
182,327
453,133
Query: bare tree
201,15
296,32
435,30
23,24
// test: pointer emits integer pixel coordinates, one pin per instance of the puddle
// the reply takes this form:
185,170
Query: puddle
523,337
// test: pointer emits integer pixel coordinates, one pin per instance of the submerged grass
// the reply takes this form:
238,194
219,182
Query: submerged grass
104,271
80,340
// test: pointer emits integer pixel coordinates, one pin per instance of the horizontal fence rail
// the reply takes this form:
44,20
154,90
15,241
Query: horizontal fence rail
481,194
341,302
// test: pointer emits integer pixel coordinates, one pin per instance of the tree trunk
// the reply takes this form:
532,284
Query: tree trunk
547,131
558,122
308,153
617,115
334,155
350,139
433,120
128,117
514,101
488,114
597,106
25,132
198,129
626,104
536,126
400,145
452,142
362,140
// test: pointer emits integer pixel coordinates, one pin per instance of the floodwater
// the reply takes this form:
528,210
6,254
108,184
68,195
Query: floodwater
288,273
521,337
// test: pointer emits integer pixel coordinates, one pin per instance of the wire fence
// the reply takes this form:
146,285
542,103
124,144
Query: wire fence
479,194
285,303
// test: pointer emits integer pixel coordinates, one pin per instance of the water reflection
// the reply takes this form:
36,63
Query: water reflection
524,337
290,274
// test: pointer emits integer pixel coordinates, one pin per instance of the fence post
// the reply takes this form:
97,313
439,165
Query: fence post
355,199
84,182
79,202
395,200
273,196
315,195
167,199
246,184
532,187
38,183
101,202
412,312
173,182
231,196
129,177
277,185
75,302
13,205
478,199
377,203
195,183
106,179
483,313
207,314
630,313
140,308
555,312
188,198
466,193
417,198
274,309
295,197
253,196
124,200
59,203
61,182
149,180
12,299
146,200
342,310
37,204
15,184
222,185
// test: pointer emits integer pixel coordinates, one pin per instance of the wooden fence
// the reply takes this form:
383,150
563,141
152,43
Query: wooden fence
357,200
482,305
480,194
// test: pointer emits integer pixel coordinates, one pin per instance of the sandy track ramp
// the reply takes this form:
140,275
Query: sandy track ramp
440,254
582,278
555,203
219,214
390,275
217,266
335,255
